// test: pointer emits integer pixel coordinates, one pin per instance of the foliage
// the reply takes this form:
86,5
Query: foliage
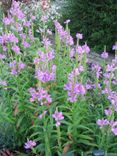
51,96
95,19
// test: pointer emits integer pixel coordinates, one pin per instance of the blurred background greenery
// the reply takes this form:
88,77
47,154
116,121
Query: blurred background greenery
96,19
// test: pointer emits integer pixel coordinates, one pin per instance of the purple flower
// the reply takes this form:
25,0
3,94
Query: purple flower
16,67
7,20
16,49
14,71
114,130
21,66
58,116
4,39
88,86
2,56
41,115
33,17
15,11
72,53
69,39
46,75
64,35
97,69
79,36
26,44
49,32
115,46
50,55
3,83
108,111
67,21
44,18
110,68
46,42
104,55
36,61
113,124
40,95
18,27
27,23
74,89
79,49
86,48
29,144
102,122
12,38
13,64
44,57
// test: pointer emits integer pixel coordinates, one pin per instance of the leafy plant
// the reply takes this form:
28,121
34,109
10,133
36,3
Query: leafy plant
52,100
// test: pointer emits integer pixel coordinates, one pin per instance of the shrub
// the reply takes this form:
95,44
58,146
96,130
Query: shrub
95,19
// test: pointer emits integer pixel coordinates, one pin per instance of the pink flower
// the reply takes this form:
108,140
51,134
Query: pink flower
12,38
79,49
102,122
40,95
72,53
27,23
46,42
108,111
33,17
26,44
79,36
46,75
115,46
58,116
29,144
67,21
114,130
74,89
16,49
16,67
7,21
104,55
49,32
41,115
21,66
3,83
44,18
86,48
2,56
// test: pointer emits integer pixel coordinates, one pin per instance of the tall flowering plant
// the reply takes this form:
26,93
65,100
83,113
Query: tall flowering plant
52,96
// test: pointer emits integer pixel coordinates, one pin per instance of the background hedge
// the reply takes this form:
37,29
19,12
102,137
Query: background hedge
96,19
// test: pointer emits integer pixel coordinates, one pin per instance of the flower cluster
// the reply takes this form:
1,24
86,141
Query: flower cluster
45,72
64,34
97,69
109,78
111,124
16,12
29,144
73,87
40,95
16,67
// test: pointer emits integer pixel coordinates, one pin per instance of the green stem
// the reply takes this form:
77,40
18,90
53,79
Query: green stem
59,138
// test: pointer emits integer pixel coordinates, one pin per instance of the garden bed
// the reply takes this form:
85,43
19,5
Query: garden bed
55,97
